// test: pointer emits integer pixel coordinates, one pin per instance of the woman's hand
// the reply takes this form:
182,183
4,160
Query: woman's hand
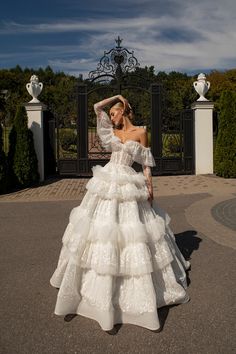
148,177
125,102
150,191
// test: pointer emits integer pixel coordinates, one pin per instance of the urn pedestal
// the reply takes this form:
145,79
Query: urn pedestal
203,136
35,124
34,109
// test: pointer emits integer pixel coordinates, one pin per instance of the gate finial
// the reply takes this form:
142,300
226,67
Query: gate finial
118,41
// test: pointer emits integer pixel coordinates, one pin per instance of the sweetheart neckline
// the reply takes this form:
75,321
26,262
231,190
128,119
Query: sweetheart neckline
130,140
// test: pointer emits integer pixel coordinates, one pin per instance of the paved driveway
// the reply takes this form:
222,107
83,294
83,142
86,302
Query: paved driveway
30,235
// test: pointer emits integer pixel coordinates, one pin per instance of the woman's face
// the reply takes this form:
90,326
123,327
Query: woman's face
116,115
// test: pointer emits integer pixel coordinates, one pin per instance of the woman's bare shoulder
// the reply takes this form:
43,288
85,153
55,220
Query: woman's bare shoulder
139,130
141,136
143,130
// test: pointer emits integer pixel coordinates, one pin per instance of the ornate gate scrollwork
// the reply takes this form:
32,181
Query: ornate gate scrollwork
115,62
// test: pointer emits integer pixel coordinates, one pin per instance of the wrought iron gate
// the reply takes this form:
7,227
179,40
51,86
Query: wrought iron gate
171,144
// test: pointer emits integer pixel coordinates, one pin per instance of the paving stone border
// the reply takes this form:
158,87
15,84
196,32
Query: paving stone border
199,215
225,213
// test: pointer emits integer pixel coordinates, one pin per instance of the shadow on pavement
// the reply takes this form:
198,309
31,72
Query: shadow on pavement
188,242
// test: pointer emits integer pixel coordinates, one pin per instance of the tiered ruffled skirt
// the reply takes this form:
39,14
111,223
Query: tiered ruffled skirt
119,261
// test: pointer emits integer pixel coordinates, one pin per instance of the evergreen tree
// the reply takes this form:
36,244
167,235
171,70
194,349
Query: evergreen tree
3,165
12,180
225,152
22,156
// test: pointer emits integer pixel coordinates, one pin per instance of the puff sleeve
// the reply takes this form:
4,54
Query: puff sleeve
143,155
104,127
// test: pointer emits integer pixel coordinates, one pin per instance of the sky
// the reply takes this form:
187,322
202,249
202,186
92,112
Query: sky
189,36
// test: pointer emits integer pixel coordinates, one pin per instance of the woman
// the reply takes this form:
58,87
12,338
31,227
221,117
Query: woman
119,261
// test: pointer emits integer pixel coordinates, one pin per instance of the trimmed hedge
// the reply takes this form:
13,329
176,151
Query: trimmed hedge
225,151
3,165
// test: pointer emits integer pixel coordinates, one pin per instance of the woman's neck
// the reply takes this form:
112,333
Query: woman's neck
127,125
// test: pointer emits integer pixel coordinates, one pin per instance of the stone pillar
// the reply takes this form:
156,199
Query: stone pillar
35,124
203,127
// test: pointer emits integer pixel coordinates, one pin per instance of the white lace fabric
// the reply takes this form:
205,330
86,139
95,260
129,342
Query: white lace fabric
119,261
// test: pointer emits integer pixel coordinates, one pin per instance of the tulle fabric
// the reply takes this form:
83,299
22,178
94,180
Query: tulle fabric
119,261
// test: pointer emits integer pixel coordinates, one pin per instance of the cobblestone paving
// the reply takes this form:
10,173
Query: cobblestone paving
219,221
74,188
225,213
54,189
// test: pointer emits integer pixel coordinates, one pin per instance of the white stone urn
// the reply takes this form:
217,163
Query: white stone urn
34,88
201,86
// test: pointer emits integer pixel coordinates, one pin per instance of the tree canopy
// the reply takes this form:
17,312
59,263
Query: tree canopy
59,92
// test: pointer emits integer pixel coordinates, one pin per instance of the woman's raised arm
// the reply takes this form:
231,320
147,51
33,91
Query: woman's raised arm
100,105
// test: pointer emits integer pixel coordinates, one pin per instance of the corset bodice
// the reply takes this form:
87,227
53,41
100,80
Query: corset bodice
122,158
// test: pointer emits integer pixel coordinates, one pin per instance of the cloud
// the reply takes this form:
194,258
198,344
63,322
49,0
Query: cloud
169,34
73,65
77,26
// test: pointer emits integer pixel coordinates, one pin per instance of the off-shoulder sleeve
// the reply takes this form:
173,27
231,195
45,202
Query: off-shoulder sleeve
143,155
104,127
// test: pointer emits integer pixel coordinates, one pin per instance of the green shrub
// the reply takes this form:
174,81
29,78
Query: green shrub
12,180
23,164
67,138
171,145
3,165
225,151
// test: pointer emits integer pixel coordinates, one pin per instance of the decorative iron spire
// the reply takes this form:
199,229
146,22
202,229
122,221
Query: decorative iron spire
115,63
118,41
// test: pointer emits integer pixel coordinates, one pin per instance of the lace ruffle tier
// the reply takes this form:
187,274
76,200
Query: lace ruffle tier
130,249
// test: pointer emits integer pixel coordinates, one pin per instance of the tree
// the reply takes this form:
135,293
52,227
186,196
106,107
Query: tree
225,152
221,81
22,157
12,180
3,165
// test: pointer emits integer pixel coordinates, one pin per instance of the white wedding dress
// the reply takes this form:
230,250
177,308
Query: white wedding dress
119,261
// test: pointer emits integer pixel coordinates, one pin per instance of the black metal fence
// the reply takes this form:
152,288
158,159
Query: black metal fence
171,135
172,145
